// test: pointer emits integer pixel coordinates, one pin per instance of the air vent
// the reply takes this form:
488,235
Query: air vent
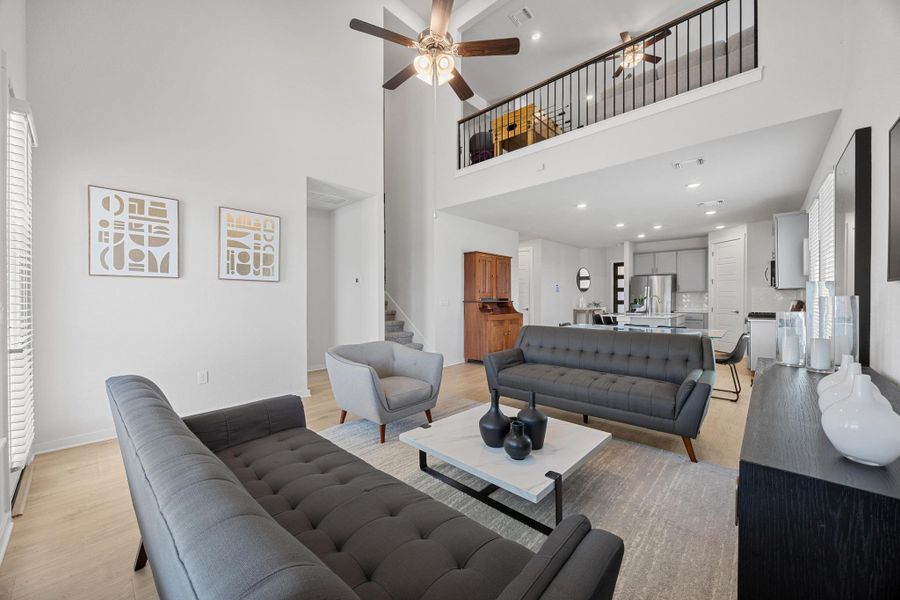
518,18
693,162
711,203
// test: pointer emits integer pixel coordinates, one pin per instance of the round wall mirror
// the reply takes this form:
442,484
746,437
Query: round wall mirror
583,279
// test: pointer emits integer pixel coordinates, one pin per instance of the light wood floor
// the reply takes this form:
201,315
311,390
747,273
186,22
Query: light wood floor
78,535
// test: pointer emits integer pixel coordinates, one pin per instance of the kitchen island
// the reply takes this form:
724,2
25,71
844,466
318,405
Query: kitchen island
651,320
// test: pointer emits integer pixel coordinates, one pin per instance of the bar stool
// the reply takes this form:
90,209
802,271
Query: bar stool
736,356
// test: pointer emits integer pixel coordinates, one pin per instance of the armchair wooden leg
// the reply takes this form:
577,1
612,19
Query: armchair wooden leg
343,416
584,419
140,561
381,432
689,447
428,415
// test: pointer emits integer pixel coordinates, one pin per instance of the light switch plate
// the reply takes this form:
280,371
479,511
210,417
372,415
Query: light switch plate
202,377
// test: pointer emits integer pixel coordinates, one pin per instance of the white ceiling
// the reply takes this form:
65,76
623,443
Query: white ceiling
571,32
324,195
757,174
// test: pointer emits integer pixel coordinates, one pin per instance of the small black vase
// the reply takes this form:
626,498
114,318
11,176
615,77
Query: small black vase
517,444
494,425
535,424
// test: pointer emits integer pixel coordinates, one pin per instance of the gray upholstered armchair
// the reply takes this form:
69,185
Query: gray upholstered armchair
384,381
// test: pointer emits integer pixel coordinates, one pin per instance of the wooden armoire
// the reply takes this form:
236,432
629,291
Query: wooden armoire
492,323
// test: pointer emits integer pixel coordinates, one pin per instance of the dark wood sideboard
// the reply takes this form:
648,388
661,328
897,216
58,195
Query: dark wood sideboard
812,524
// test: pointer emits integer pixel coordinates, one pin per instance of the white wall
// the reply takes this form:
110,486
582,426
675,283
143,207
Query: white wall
871,98
209,102
12,42
320,287
453,237
409,190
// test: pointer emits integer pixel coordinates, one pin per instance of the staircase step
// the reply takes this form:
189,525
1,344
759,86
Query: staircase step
414,345
401,337
390,315
393,325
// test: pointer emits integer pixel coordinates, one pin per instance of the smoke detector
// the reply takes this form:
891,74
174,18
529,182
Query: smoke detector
521,16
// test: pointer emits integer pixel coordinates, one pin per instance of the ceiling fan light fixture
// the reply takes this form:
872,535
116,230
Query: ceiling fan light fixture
423,64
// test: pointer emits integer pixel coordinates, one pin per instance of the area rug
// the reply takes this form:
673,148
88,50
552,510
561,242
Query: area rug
677,518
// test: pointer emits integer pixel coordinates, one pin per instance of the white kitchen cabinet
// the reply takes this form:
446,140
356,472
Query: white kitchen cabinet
644,264
790,231
666,263
691,270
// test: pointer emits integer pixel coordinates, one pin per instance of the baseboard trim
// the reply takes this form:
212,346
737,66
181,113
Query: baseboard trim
75,440
307,393
314,368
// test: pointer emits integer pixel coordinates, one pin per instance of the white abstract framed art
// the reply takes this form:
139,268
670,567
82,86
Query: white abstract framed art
132,234
249,245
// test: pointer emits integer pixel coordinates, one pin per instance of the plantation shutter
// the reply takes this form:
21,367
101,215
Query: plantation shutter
20,326
814,241
826,229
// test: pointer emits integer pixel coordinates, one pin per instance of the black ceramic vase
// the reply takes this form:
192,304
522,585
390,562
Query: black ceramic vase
517,444
494,425
535,424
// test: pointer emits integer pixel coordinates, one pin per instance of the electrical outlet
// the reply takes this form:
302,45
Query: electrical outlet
202,377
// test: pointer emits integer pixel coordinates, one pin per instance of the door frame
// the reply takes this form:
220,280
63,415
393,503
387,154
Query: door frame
527,318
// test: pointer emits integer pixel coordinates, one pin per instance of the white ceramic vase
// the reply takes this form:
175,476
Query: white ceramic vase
842,388
838,376
864,428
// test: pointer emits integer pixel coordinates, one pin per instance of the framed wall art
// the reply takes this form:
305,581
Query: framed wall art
132,234
249,245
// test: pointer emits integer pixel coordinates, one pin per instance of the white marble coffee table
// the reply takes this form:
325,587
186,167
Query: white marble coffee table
457,441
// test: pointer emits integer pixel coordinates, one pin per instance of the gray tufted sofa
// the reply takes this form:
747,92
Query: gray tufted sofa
248,503
654,380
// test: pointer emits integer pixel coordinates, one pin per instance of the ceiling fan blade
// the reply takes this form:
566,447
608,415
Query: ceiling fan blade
658,37
487,47
650,58
394,82
460,86
440,16
382,33
626,37
618,71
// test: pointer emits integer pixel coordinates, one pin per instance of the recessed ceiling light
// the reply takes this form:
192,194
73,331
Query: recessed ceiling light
589,97
620,224
582,205
642,235
720,227
693,186
657,227
536,35
710,212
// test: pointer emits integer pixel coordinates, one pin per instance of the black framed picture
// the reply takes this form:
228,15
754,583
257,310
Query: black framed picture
894,203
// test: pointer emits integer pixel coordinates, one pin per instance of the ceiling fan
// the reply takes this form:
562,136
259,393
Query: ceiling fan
436,62
635,54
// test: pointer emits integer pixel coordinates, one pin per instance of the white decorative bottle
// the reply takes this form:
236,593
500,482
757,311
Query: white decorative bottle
840,376
840,390
863,427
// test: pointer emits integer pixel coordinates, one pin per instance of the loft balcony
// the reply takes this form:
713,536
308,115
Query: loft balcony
712,43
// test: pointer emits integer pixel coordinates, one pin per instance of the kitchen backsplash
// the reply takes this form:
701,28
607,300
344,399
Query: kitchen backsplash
698,301
769,299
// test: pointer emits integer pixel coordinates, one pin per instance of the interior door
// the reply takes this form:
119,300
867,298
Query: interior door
727,291
524,303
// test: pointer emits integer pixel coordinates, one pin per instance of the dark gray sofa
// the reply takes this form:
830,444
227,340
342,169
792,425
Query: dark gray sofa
248,503
654,380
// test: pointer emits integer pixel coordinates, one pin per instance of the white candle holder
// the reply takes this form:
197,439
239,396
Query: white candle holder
846,329
820,326
790,341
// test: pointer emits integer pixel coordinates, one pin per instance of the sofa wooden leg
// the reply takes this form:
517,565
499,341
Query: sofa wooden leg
428,415
140,561
343,416
381,432
584,419
689,446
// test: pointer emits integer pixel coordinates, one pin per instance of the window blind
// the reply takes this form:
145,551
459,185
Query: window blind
20,332
826,230
814,241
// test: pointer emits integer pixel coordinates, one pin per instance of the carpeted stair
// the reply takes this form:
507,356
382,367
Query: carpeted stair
394,332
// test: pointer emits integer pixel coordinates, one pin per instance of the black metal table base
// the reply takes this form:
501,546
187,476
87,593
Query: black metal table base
484,495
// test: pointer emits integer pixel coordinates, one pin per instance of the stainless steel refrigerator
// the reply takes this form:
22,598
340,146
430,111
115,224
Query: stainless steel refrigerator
658,290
